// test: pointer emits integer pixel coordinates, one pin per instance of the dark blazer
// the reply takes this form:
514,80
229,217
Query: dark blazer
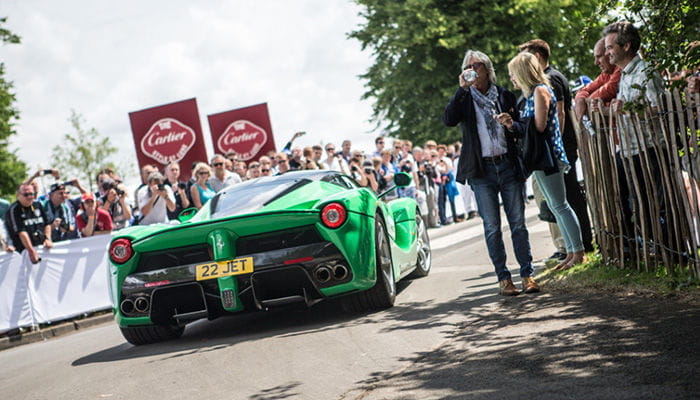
461,110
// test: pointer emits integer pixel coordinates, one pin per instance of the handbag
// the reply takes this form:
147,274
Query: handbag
536,153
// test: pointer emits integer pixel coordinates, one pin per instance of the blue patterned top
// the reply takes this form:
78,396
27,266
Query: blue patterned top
553,132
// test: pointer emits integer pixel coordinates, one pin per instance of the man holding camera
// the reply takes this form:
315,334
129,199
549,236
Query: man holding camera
93,220
114,202
60,215
155,200
172,179
27,224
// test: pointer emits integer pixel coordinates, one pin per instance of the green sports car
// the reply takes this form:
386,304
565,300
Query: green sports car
299,237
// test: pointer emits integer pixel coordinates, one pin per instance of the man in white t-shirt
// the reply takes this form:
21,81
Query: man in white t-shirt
155,199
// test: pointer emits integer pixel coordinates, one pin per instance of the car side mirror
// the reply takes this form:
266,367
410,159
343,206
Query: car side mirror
187,214
402,179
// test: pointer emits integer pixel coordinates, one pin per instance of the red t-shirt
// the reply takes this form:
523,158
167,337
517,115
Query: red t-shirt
104,221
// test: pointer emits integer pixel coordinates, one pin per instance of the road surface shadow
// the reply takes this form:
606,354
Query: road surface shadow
204,336
553,346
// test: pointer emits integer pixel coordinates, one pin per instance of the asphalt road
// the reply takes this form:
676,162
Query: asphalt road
450,336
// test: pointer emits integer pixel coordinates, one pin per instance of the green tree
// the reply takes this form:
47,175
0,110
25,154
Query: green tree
82,153
668,27
12,169
418,47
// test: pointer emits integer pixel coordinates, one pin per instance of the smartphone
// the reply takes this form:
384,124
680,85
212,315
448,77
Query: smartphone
47,171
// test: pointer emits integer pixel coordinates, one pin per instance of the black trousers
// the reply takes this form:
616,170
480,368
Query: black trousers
629,196
577,200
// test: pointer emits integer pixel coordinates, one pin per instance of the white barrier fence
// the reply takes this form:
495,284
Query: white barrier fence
71,279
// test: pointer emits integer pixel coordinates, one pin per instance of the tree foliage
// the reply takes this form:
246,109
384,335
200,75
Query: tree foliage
418,47
12,169
668,27
83,152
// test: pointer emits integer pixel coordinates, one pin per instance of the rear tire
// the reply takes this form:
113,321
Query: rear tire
383,294
425,259
138,335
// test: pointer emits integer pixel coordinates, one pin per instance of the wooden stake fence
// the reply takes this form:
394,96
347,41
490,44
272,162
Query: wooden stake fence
665,186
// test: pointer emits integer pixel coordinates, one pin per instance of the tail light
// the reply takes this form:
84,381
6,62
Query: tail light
120,251
333,215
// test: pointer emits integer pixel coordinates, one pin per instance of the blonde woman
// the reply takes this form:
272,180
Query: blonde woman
541,105
201,192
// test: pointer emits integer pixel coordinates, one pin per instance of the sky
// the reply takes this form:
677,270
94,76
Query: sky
104,59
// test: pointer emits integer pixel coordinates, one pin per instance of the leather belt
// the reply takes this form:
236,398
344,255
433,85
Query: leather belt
496,158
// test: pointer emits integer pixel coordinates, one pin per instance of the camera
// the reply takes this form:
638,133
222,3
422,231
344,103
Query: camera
108,184
406,167
161,186
354,168
64,225
368,170
181,185
47,171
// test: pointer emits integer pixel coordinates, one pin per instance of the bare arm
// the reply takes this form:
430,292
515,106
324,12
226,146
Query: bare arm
542,101
196,201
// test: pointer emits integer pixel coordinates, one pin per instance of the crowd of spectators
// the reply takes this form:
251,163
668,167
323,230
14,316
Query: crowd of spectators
67,210
57,215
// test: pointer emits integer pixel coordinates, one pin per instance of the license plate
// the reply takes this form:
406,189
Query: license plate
220,269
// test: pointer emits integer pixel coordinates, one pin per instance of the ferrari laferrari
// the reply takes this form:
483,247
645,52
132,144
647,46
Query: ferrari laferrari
301,237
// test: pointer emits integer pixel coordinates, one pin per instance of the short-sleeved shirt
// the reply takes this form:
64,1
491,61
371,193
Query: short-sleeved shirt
65,212
104,221
552,129
159,211
636,73
562,92
230,178
30,219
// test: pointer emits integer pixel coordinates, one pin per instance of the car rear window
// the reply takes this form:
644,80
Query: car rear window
251,196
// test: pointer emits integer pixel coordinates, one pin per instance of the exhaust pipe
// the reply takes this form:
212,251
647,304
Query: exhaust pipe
127,306
141,304
340,272
323,274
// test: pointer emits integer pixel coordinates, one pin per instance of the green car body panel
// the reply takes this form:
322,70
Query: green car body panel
257,220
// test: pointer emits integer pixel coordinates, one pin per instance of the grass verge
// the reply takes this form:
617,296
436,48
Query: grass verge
594,276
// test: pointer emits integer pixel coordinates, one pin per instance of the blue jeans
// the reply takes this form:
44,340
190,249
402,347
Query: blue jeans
500,178
554,191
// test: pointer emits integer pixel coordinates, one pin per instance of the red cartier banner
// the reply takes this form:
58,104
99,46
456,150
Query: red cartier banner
245,131
170,132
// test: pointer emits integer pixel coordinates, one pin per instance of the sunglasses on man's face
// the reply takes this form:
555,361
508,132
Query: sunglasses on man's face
330,149
476,65
218,164
28,194
265,170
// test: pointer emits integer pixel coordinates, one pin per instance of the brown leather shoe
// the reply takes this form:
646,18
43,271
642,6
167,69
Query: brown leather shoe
530,286
507,288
